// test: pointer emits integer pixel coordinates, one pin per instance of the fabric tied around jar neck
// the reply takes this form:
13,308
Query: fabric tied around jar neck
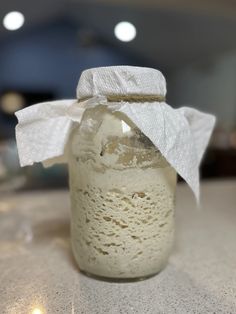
181,135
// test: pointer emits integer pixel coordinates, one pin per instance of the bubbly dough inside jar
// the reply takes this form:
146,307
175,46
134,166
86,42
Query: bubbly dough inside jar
122,194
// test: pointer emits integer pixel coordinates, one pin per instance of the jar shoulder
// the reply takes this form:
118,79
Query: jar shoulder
112,139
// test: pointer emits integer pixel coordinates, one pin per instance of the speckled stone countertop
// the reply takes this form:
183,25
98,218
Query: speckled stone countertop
38,274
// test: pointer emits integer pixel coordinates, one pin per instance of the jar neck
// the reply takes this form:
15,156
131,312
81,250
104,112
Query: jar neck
131,98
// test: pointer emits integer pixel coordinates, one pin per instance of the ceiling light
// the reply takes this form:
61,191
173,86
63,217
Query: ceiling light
13,20
125,31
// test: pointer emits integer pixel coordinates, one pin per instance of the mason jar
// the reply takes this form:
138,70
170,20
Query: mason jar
122,195
117,138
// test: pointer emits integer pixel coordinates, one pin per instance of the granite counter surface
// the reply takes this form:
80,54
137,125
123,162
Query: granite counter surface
38,274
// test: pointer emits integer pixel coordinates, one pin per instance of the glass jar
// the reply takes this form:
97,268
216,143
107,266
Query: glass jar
122,195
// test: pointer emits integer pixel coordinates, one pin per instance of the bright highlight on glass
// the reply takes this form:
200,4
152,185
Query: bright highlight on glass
125,31
13,20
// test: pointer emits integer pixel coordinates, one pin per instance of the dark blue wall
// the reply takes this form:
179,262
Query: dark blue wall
51,58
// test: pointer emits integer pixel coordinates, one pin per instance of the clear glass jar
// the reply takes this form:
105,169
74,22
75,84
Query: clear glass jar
122,195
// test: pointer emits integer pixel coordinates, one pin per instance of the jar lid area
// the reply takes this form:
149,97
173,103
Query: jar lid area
121,80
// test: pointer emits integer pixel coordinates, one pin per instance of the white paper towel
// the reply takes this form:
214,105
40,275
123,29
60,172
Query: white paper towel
181,135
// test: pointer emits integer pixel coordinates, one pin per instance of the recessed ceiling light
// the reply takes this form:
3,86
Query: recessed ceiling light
13,20
125,31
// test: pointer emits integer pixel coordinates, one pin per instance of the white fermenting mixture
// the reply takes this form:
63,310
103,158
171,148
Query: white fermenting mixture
122,193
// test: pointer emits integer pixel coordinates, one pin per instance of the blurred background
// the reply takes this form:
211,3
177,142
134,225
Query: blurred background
45,45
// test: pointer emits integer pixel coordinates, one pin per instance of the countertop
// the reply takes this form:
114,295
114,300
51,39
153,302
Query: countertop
38,274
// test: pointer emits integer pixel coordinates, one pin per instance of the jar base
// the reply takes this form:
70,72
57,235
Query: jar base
120,280
117,279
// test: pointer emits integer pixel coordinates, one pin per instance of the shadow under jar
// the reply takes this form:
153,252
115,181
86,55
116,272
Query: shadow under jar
122,195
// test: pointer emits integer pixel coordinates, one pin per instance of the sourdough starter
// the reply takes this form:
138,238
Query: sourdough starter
122,193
